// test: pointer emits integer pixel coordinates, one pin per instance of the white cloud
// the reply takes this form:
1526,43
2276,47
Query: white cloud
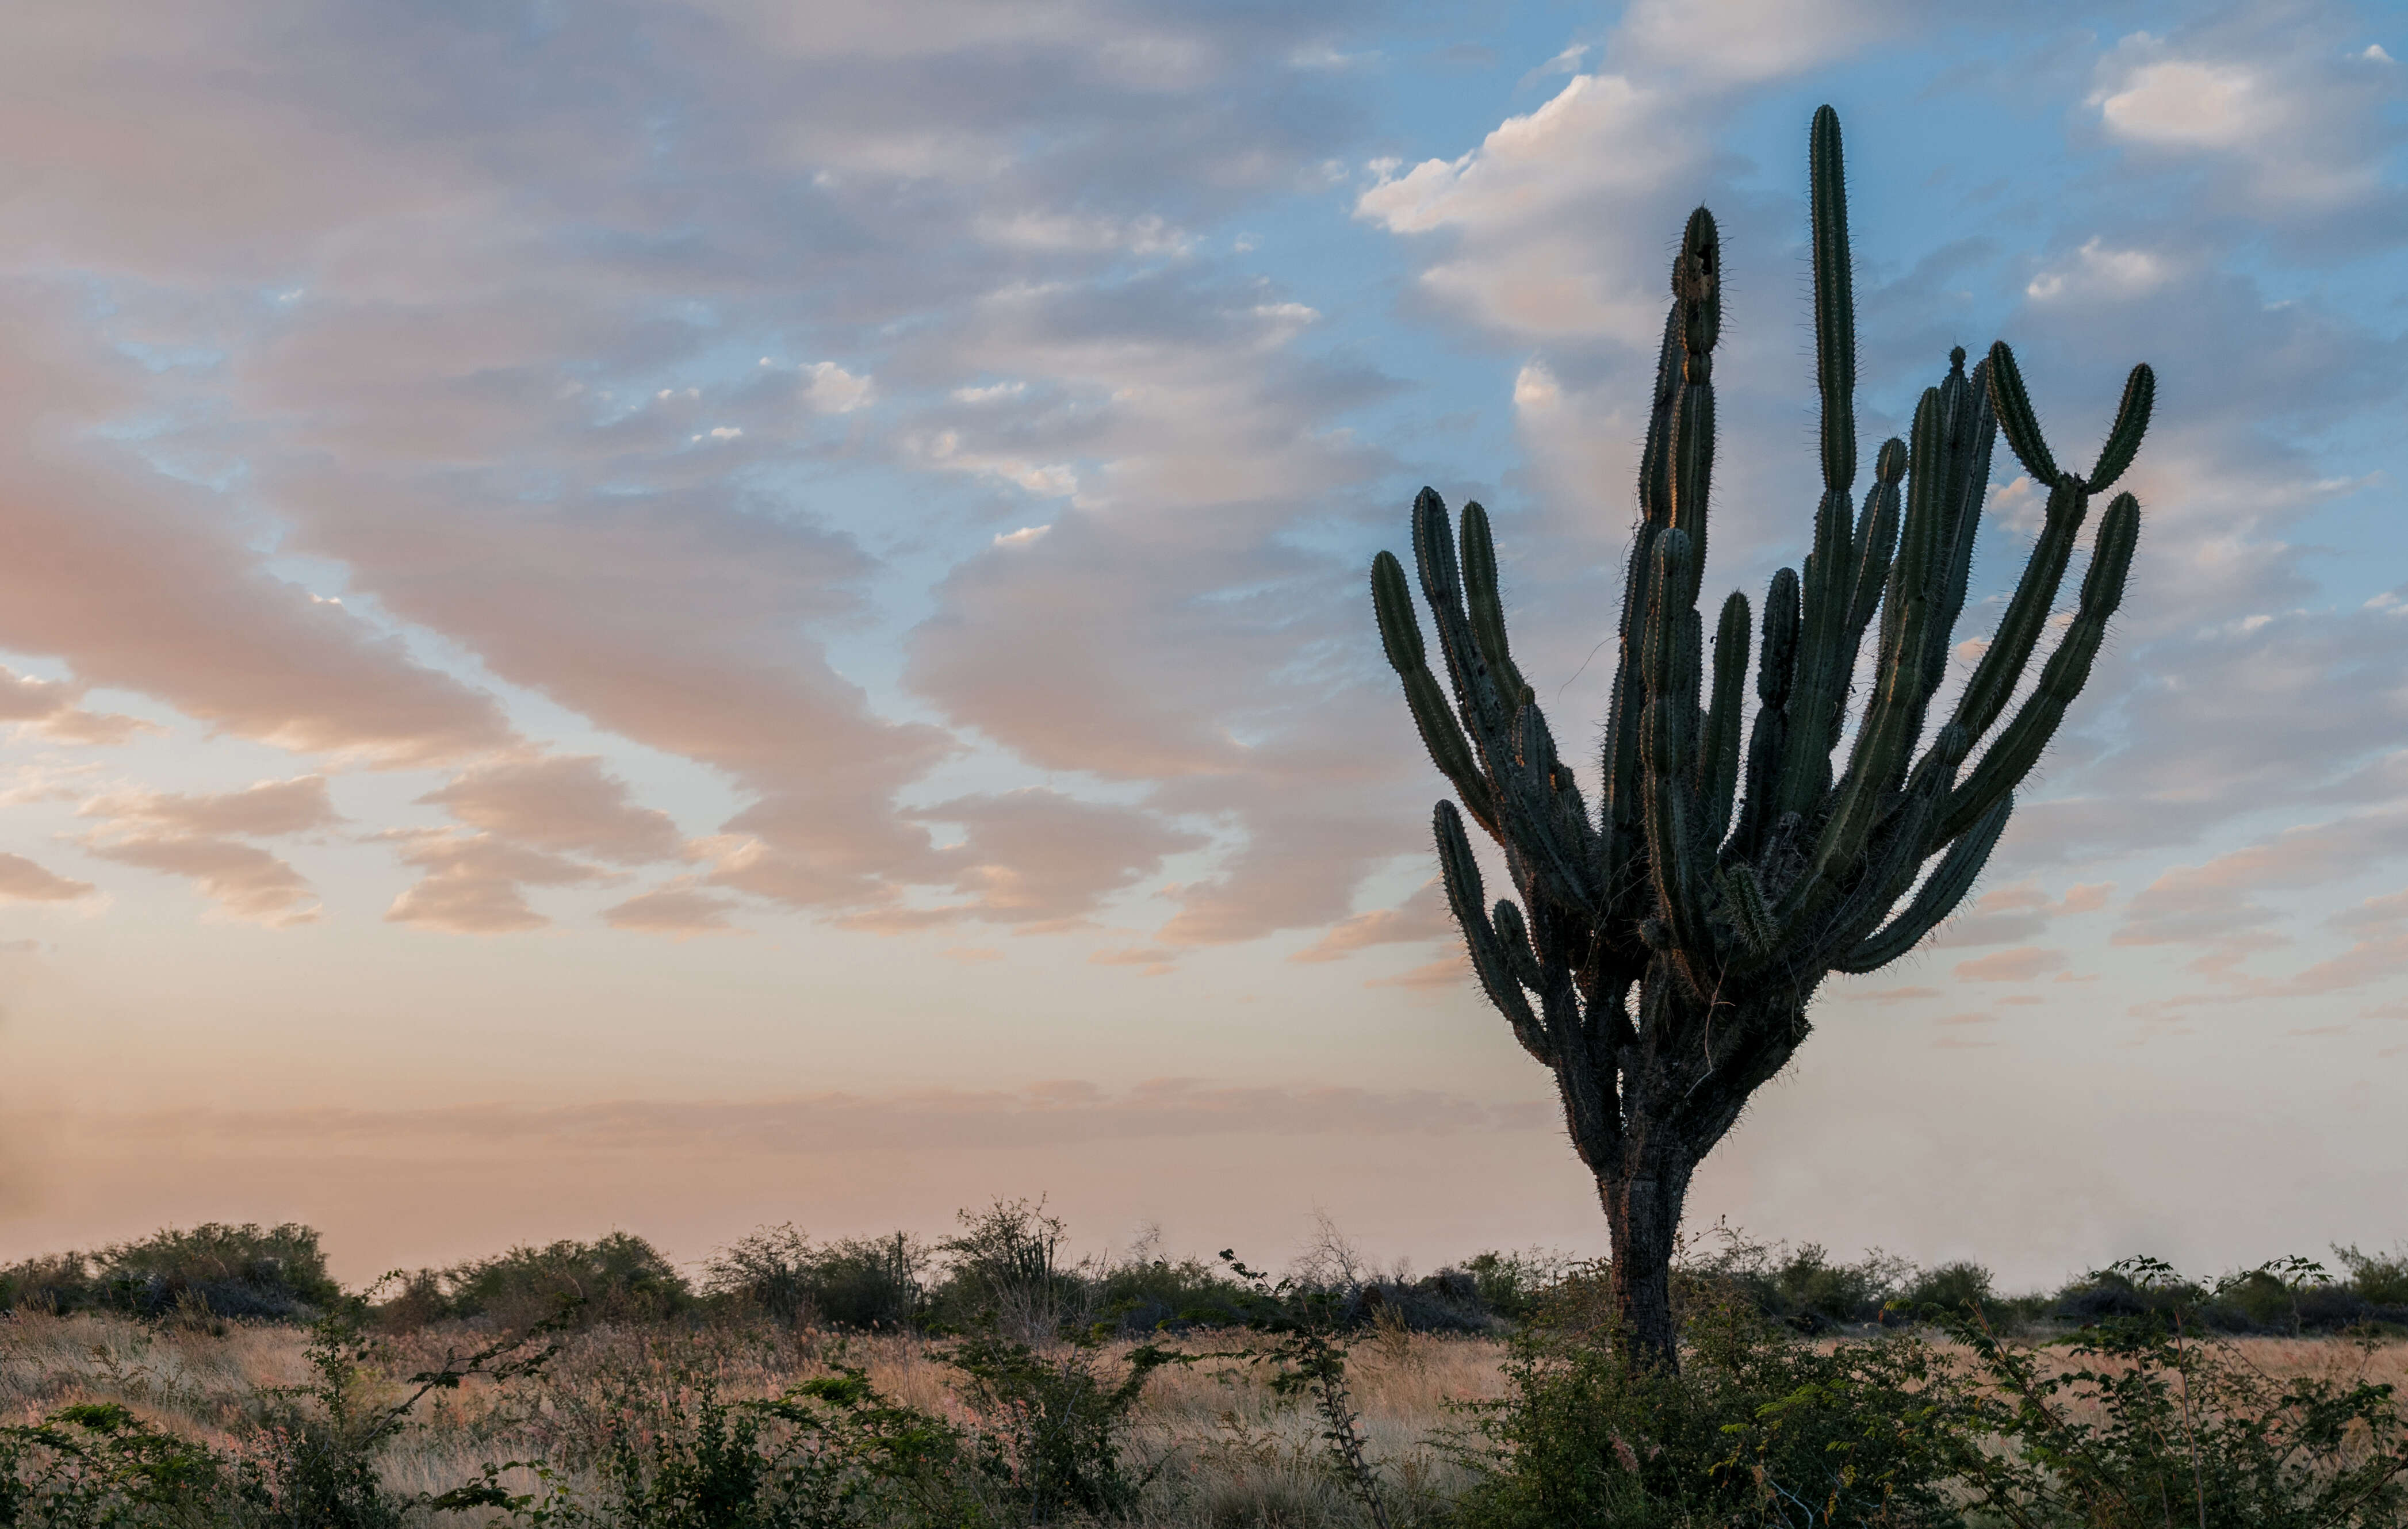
1743,41
2286,123
1545,215
2100,271
832,390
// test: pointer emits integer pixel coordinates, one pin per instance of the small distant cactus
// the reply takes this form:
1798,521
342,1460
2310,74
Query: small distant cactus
1720,883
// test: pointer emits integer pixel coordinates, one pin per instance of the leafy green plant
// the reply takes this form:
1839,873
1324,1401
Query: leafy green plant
864,1282
1057,1422
1306,1354
831,1453
2150,1421
97,1466
311,1455
618,1278
1754,1429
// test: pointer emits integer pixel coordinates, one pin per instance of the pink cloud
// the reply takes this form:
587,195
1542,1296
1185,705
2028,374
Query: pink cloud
2020,965
244,879
23,881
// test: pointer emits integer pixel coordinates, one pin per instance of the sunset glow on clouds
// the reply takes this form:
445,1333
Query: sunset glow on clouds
677,614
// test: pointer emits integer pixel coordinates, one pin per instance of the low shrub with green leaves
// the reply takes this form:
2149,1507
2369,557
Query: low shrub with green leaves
620,1278
857,1282
1756,1428
2145,1419
275,1273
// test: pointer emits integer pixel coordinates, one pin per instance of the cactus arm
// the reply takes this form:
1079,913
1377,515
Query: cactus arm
1744,907
1622,809
1513,937
2124,435
1487,611
1676,851
1939,896
1441,733
1820,687
1884,740
1460,873
1835,307
1525,781
1974,429
2019,744
1995,676
1876,540
1479,693
1897,848
1718,748
1696,291
2016,419
1775,671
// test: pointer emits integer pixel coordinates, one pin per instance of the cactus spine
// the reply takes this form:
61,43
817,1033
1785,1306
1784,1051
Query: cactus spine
1664,949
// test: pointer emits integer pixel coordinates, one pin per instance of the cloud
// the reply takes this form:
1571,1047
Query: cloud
568,804
2020,965
677,912
1423,916
1746,42
245,881
1445,972
2016,913
2286,121
265,810
1062,1112
23,881
178,834
832,390
1150,960
1897,995
1542,221
473,881
2213,902
48,709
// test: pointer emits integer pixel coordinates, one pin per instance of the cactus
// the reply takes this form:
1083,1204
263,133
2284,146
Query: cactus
1665,947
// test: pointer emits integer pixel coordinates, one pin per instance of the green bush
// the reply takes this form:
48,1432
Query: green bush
52,1283
2379,1280
1756,1429
617,1278
863,1283
2151,1421
98,1466
1056,1423
270,1273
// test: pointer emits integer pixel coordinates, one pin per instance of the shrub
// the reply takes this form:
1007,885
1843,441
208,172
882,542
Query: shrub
1799,1288
1055,1424
1950,1287
97,1465
51,1281
2379,1280
1005,1267
617,1278
2153,1421
278,1273
1754,1429
866,1282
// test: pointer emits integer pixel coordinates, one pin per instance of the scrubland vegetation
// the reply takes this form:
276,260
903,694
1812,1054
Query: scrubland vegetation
220,1376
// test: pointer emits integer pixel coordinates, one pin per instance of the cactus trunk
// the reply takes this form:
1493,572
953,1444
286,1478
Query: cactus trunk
1716,883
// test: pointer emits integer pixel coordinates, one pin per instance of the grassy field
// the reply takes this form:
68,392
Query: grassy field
1221,1448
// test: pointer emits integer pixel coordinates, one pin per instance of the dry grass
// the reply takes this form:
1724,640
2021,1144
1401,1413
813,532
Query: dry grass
1230,1452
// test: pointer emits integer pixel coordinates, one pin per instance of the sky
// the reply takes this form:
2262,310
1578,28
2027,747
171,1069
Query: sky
688,614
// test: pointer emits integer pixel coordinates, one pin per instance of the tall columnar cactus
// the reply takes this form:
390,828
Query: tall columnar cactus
1664,949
